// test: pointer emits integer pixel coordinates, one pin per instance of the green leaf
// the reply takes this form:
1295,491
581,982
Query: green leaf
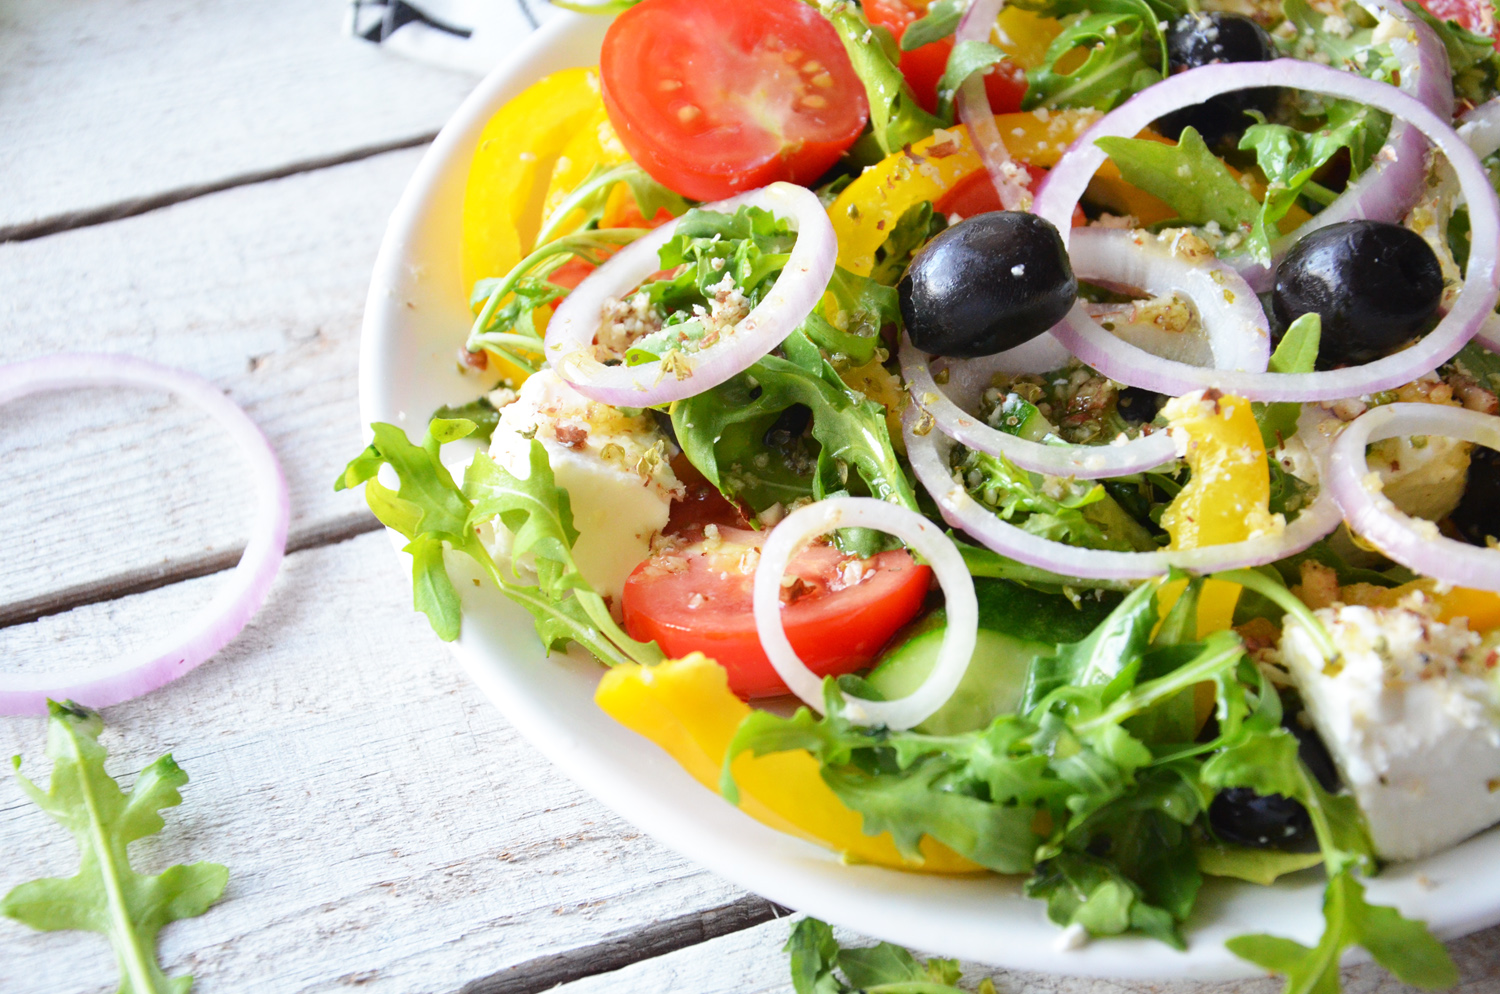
1471,56
1123,47
1189,177
814,953
1401,945
1112,648
848,428
917,224
881,964
1259,866
480,413
896,119
1296,353
107,895
966,59
432,590
534,510
940,21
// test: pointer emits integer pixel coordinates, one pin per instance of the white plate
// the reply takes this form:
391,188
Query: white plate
416,318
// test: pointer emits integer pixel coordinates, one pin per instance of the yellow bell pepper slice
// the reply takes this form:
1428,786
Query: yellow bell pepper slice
1227,498
512,164
595,144
1480,607
685,706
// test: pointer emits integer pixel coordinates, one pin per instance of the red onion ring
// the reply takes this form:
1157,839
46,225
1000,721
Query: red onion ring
1411,542
799,287
1230,312
806,524
1011,181
929,460
1127,364
1393,184
241,594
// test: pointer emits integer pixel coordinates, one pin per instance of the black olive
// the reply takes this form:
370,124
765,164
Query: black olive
1139,405
788,426
1478,513
1196,40
987,284
1374,284
1242,816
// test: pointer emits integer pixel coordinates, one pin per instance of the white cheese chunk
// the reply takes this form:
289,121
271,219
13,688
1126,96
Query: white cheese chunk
1423,476
614,467
1409,713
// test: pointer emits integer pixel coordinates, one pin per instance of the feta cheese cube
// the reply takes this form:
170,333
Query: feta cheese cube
1410,714
614,466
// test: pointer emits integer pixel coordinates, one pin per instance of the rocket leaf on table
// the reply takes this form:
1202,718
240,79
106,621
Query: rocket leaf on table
106,895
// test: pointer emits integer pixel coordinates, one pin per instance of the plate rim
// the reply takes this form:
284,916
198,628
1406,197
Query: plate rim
789,871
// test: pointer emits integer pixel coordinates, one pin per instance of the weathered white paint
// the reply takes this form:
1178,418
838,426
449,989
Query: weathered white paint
109,102
381,822
259,289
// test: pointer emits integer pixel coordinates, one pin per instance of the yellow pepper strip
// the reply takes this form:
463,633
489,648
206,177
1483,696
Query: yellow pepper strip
685,706
1025,36
1227,498
512,164
595,144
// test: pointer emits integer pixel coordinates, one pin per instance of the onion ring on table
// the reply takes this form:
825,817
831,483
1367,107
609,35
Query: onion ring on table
1411,542
1232,319
929,460
1011,182
1127,364
793,533
797,290
242,592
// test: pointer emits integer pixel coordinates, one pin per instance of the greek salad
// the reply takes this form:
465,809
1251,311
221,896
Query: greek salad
1086,410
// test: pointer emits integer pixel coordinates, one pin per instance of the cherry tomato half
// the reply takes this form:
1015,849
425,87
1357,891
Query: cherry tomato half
839,611
923,67
714,97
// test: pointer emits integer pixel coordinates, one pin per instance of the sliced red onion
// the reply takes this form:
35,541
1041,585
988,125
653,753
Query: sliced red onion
241,593
1384,192
1412,542
793,534
1231,315
1127,364
1239,336
929,460
799,287
1480,127
1011,181
1393,183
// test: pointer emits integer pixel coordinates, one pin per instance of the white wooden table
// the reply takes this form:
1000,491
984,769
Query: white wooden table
204,183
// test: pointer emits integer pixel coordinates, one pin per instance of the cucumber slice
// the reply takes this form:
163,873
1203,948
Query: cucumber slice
992,685
1016,625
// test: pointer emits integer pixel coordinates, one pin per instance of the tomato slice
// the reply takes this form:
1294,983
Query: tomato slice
923,67
1477,16
714,97
839,611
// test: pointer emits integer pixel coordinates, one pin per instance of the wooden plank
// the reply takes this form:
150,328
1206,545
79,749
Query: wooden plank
110,108
260,289
752,962
384,827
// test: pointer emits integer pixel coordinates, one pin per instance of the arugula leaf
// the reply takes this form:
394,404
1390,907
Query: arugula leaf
1258,866
1109,650
1399,944
106,895
983,562
1297,353
1480,363
966,58
1289,159
481,412
882,969
849,428
435,514
896,119
1125,55
940,21
1190,178
917,224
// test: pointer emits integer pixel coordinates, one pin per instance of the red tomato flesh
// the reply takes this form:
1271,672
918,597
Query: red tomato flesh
923,67
839,611
715,97
975,194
